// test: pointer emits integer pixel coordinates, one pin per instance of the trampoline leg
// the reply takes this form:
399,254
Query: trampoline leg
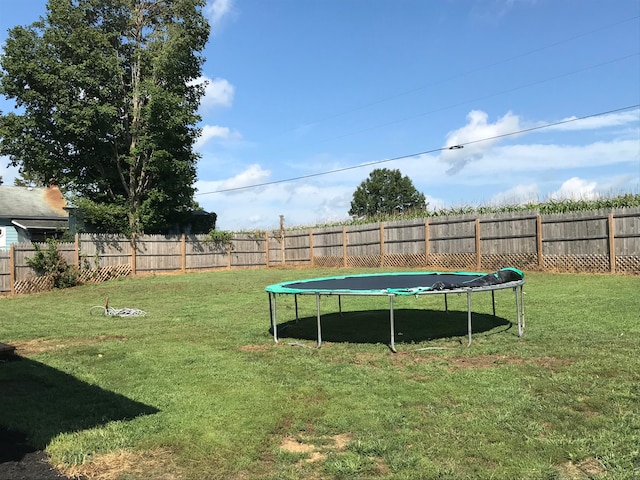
272,314
446,304
392,323
469,315
319,328
340,304
295,299
520,309
493,301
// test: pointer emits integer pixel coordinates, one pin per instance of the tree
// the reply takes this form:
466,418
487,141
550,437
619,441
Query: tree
386,192
29,179
107,99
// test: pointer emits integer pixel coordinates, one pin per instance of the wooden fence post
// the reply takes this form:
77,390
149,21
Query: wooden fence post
344,246
12,269
229,256
539,242
311,254
77,251
266,248
611,232
478,252
282,249
426,242
183,253
382,244
133,254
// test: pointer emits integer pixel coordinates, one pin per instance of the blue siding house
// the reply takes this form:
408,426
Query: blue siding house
31,214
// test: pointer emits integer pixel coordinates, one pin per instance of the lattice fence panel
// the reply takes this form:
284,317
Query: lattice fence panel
522,261
577,263
364,261
328,261
405,260
103,274
34,284
451,261
628,264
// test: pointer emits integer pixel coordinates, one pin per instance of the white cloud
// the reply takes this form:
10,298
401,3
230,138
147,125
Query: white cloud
210,132
217,10
477,128
537,156
301,203
217,92
504,161
519,194
576,189
254,174
602,121
492,173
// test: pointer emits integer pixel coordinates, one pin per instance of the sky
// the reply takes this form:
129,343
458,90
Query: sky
306,97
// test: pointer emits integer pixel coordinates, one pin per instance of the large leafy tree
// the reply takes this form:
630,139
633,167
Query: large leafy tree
386,192
106,104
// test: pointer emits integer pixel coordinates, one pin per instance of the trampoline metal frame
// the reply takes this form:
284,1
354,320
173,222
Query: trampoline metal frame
517,287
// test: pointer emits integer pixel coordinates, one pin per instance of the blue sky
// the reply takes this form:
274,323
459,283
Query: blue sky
298,88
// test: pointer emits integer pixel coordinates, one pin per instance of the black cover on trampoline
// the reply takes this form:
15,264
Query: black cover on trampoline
406,282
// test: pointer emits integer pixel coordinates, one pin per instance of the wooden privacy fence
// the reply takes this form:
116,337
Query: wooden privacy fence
595,241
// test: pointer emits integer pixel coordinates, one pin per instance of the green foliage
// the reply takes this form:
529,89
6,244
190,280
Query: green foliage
256,234
220,238
108,105
547,207
101,217
50,262
29,179
386,192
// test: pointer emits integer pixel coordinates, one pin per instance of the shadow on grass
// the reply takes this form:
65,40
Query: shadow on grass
372,326
39,402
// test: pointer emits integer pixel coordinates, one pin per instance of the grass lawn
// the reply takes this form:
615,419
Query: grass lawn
197,389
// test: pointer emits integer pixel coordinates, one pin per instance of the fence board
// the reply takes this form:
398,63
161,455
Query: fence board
5,273
406,237
104,250
453,236
576,241
296,244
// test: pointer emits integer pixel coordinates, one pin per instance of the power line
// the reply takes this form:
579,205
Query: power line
465,73
485,97
401,157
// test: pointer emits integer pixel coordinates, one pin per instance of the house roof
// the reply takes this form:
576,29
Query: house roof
30,224
32,203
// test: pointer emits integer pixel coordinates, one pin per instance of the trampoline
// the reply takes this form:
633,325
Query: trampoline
401,284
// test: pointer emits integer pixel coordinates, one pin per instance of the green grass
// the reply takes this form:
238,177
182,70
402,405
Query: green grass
198,390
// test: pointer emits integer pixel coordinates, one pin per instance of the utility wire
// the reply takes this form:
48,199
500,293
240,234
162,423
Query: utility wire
401,157
485,97
465,73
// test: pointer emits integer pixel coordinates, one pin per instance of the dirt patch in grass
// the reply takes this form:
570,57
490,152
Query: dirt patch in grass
587,468
42,345
316,449
157,464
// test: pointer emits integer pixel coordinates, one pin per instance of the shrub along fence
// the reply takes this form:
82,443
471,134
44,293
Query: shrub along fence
589,241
